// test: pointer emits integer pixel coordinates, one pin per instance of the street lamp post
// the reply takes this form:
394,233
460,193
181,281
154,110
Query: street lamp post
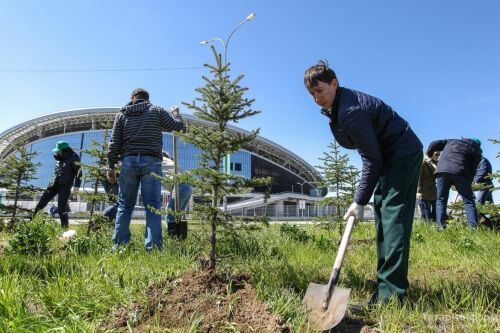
226,44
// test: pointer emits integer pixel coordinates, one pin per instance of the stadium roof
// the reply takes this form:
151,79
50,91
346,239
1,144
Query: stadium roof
97,118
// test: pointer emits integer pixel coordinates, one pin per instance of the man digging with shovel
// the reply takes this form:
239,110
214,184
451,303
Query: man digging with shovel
391,155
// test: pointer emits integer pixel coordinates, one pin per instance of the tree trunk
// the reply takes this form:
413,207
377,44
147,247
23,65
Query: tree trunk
91,222
213,226
16,199
213,218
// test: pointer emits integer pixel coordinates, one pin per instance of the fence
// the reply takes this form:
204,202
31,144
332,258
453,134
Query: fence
272,212
293,212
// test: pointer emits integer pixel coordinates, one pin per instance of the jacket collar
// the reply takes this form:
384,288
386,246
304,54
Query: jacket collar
333,111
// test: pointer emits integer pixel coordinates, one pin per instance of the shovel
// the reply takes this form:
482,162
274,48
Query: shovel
326,303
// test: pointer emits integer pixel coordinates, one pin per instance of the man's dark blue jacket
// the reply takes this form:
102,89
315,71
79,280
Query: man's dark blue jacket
458,156
363,122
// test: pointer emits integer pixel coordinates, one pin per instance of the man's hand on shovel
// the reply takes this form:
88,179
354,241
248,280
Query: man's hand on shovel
354,210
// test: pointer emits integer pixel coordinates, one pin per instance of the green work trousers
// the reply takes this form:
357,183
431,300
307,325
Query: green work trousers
394,207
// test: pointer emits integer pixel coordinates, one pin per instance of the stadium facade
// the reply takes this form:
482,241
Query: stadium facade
79,127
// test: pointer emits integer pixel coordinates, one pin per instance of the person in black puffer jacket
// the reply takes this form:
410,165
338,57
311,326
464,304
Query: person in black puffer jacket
456,166
67,174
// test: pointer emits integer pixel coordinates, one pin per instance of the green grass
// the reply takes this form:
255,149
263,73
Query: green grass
454,277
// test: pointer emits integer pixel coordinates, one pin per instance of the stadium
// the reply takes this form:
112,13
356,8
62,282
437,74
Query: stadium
293,178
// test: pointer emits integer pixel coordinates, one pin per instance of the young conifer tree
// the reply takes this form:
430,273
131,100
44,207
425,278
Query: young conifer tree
16,171
95,174
341,179
221,102
491,210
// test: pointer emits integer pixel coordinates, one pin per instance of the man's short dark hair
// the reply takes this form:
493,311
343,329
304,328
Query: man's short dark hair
140,93
319,72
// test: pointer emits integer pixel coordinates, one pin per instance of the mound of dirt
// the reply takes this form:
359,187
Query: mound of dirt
202,301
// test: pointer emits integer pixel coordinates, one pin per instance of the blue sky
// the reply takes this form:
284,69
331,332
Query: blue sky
435,62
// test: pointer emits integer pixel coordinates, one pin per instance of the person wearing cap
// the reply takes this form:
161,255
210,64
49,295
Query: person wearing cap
67,174
457,166
391,154
137,142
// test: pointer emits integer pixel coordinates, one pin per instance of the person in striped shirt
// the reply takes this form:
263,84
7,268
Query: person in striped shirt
137,142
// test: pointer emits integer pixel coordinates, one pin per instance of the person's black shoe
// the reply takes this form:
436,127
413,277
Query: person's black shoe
358,309
362,308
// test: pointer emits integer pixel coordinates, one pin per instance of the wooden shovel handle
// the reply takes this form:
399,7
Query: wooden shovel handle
338,260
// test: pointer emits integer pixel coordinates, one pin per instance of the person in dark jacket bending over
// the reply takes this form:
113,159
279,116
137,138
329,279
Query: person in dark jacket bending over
457,165
137,141
391,154
66,174
481,177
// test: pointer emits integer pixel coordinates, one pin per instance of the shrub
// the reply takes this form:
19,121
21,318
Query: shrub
294,233
82,245
33,237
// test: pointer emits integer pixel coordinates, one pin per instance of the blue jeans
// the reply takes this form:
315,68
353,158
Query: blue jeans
484,196
135,171
185,192
111,189
428,209
464,188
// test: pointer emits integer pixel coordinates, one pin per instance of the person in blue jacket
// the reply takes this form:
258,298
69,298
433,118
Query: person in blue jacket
481,177
456,166
391,154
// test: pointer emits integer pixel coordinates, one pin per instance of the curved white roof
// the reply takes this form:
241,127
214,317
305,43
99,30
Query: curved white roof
74,120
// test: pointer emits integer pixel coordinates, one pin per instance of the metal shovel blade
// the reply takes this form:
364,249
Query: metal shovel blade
325,319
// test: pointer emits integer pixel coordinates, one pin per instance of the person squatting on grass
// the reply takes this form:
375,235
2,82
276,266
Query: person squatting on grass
457,165
391,154
137,142
67,174
426,188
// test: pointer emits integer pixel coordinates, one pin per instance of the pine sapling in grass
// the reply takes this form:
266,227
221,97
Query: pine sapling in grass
95,175
341,179
16,172
221,102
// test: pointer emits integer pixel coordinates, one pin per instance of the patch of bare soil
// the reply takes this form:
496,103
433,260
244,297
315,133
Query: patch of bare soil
201,301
